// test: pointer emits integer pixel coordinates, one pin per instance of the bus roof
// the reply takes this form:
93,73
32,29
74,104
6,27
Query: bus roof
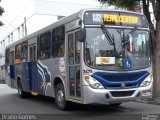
109,10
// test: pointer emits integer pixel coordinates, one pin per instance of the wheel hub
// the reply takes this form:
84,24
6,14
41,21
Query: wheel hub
60,98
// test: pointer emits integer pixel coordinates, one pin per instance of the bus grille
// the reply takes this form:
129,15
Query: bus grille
122,93
119,86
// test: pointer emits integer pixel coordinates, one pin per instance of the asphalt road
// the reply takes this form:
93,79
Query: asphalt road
44,108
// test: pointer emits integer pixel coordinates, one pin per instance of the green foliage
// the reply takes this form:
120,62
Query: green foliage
129,4
1,23
1,12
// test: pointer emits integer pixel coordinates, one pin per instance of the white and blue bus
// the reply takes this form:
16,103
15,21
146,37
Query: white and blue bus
93,56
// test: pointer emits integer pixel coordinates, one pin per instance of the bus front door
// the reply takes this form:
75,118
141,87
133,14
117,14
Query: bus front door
74,74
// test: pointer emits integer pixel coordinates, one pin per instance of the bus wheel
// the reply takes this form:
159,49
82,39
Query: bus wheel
60,97
21,93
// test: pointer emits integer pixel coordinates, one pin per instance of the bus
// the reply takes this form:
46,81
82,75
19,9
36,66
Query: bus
94,56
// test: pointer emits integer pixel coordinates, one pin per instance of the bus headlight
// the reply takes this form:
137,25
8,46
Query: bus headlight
147,81
92,82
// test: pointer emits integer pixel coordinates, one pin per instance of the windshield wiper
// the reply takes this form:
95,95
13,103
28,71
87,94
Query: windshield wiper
131,32
107,35
110,38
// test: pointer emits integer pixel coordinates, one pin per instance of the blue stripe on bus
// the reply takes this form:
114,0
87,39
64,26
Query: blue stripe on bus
12,72
29,73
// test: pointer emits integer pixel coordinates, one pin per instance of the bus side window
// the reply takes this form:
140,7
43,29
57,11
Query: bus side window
44,51
7,57
11,58
58,42
24,51
18,54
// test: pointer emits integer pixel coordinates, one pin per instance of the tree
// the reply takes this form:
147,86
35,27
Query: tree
1,12
129,4
156,10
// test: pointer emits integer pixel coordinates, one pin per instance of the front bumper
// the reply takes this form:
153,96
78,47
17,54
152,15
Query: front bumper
105,96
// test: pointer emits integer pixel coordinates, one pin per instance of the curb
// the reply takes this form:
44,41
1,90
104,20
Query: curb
155,102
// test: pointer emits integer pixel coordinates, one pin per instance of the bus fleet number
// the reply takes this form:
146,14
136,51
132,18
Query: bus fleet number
87,71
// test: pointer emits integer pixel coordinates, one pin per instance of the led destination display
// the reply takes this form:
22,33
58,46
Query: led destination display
115,18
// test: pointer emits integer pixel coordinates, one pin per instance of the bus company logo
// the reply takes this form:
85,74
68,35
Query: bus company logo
123,85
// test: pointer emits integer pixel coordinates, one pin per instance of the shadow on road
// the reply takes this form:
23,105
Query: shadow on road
76,108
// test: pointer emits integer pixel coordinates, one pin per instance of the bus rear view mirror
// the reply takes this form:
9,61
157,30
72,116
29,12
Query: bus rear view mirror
80,35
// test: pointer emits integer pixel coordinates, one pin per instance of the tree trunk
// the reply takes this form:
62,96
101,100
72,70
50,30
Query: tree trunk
156,86
156,60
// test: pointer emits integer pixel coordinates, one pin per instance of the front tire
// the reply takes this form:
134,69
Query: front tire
21,93
61,103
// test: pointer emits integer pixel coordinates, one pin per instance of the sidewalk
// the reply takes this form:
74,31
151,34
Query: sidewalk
156,101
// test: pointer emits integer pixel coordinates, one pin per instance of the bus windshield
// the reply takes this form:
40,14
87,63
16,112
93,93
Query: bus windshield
123,49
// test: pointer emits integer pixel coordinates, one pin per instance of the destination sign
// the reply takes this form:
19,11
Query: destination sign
115,18
122,18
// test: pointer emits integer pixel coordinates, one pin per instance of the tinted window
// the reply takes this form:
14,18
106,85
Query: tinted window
7,56
11,58
18,51
24,51
44,43
58,42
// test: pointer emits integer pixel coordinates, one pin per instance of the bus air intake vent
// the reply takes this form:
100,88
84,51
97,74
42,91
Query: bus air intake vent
122,93
122,77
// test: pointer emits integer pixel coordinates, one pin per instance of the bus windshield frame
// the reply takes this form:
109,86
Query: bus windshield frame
119,32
